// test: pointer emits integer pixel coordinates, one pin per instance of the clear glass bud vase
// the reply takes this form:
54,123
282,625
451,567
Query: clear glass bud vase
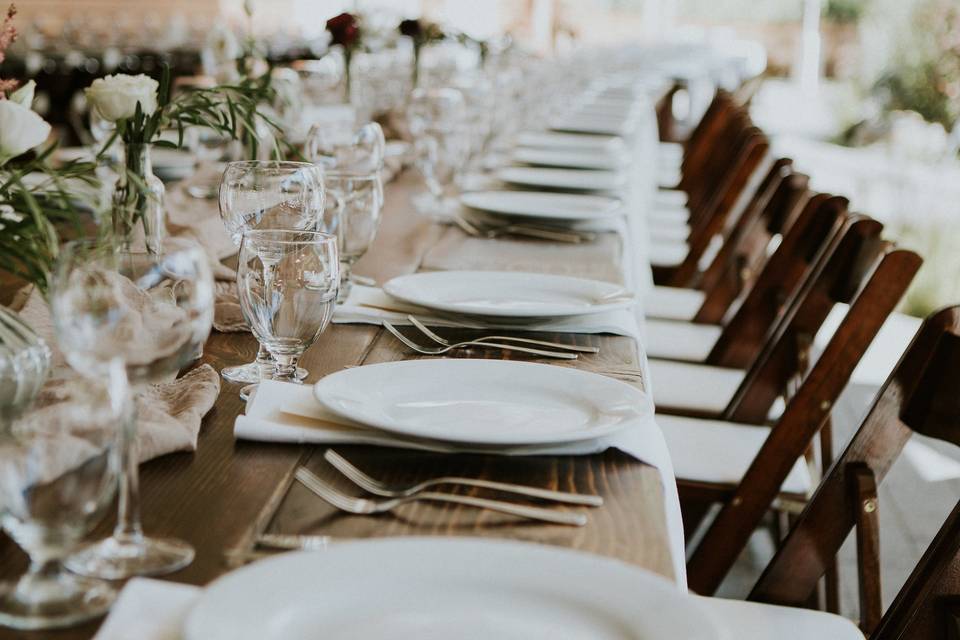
138,214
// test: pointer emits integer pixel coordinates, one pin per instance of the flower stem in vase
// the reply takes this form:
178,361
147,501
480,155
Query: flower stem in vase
138,201
347,54
416,65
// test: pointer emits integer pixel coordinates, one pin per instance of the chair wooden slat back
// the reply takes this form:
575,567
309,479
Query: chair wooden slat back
835,279
748,237
810,407
805,242
697,149
921,395
708,220
714,163
737,270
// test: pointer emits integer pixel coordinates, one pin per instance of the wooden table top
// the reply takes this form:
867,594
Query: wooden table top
222,496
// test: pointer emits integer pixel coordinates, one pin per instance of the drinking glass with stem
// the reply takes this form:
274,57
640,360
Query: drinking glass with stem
152,312
269,194
59,465
288,284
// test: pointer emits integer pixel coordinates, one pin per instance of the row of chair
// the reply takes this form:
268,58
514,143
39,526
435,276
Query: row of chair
748,263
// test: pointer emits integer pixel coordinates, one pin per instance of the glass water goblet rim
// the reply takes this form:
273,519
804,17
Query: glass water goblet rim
273,164
294,237
351,174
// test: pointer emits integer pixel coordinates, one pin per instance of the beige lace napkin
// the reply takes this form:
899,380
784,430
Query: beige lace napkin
169,413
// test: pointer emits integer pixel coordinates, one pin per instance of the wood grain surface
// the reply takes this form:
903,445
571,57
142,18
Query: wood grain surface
220,497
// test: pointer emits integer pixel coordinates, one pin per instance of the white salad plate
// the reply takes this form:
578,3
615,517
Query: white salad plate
443,588
508,295
570,141
564,179
565,207
568,159
485,403
597,124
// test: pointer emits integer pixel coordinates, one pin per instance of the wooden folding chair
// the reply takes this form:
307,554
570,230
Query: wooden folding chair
872,275
767,211
922,395
708,214
759,292
709,388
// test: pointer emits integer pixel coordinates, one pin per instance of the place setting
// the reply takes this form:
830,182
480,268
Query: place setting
378,324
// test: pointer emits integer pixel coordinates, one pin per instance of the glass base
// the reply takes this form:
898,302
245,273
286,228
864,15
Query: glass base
253,373
113,559
73,600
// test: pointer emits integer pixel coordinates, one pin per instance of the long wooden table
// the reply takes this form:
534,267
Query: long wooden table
224,495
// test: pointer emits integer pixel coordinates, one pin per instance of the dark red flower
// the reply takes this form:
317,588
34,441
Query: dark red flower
410,28
344,30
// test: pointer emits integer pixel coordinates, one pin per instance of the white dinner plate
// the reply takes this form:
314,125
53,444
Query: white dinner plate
566,207
570,141
594,124
566,179
508,295
444,588
485,403
568,159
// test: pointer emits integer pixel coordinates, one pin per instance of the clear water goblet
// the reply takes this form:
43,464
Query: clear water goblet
58,474
354,203
268,194
153,312
288,284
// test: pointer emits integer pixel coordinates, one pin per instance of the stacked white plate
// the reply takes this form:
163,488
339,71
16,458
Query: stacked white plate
504,297
547,207
442,588
569,159
563,179
483,404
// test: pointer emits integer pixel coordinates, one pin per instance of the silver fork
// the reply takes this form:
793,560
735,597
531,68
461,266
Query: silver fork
543,343
365,506
379,488
436,351
484,230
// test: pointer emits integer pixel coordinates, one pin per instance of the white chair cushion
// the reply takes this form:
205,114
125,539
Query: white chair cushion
720,452
668,254
677,340
661,213
671,233
693,387
673,303
671,197
668,177
669,152
756,621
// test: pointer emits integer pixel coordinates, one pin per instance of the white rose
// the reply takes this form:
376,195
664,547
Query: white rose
20,130
24,95
116,97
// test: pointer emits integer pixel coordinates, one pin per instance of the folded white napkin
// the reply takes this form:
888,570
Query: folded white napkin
149,610
370,305
285,412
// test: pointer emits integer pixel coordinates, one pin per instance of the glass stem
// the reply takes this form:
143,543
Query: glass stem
41,582
286,367
129,529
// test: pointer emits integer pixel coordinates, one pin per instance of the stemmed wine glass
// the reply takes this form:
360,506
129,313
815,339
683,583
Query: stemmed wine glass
330,146
59,466
259,194
153,312
288,289
437,119
353,215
